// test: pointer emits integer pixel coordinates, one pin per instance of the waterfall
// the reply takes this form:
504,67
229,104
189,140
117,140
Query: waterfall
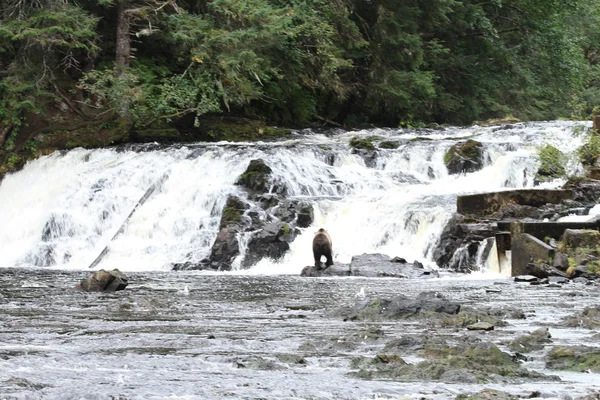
62,210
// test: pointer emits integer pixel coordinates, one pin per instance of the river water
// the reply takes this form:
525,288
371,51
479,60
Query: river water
263,333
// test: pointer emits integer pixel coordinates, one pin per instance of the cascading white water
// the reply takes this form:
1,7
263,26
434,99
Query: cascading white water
63,209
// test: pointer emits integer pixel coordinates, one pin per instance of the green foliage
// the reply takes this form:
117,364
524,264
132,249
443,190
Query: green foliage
397,63
590,151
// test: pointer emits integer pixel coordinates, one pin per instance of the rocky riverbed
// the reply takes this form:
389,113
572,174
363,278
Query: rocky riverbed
195,335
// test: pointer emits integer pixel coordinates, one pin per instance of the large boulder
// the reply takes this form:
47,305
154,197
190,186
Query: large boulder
464,157
272,241
374,266
581,238
104,281
551,164
256,177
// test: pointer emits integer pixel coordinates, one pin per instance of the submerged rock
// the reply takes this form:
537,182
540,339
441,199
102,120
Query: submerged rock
534,341
104,281
401,307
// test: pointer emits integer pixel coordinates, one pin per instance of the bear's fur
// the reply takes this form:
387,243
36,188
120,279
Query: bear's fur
322,247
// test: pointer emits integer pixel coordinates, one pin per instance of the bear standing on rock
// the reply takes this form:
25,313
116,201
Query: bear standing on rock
322,247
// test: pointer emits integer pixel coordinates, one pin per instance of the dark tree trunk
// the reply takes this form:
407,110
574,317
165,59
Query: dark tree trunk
123,40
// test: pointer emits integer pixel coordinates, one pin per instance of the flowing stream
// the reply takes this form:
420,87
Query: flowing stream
262,333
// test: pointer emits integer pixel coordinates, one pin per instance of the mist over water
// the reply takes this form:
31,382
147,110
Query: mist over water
61,210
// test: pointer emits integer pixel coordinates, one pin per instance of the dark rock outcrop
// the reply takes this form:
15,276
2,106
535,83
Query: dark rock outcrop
104,281
460,242
271,241
464,157
256,177
226,246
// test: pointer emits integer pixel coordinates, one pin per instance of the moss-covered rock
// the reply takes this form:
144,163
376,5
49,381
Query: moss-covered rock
233,211
475,363
588,318
388,144
574,358
464,157
256,177
534,341
551,163
362,143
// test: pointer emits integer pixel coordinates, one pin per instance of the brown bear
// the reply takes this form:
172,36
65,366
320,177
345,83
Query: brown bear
322,247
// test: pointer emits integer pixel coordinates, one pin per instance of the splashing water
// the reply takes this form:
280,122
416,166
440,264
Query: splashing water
61,210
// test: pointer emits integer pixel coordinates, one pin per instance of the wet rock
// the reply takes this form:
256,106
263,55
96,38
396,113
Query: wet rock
374,266
368,156
333,270
226,246
574,358
576,238
589,318
272,241
526,278
402,307
104,281
561,261
480,326
464,157
534,341
543,270
258,178
294,211
459,244
558,280
479,361
380,265
257,363
551,164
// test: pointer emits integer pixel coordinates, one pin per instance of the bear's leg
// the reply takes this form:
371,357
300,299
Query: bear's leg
318,260
329,261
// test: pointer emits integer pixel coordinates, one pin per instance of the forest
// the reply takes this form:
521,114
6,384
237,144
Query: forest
296,62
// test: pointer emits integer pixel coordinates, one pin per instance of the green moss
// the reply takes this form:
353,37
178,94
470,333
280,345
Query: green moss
420,139
256,177
231,215
579,359
551,162
358,143
389,145
471,149
286,229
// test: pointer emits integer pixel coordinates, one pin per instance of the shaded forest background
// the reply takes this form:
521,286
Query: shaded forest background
294,62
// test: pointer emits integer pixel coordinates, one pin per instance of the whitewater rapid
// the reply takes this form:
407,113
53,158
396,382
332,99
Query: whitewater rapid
62,210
